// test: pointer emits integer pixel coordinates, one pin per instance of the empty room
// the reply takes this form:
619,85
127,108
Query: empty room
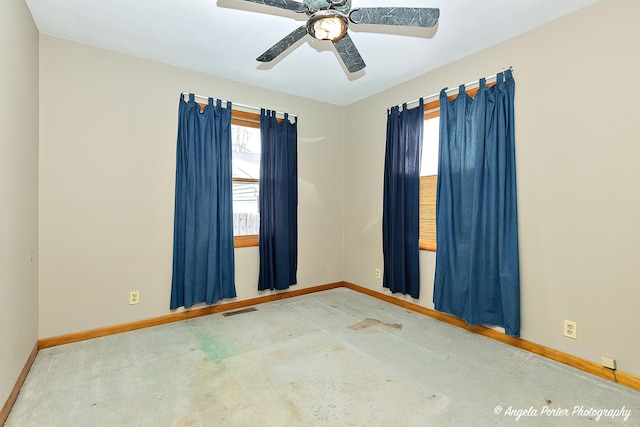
314,212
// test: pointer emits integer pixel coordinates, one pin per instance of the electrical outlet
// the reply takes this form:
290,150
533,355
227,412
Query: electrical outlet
609,362
378,273
570,329
134,297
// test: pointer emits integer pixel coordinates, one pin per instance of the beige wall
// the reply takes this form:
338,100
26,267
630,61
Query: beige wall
107,174
578,175
18,190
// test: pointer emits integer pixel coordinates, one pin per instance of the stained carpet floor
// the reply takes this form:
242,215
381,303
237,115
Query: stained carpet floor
333,358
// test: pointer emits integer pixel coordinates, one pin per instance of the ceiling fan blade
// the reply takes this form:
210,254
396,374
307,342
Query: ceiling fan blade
349,54
403,16
283,44
282,4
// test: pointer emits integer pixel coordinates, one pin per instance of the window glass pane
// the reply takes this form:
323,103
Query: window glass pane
430,142
246,152
428,183
245,166
246,219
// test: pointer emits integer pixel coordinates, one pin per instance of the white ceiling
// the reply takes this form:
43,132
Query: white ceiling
223,38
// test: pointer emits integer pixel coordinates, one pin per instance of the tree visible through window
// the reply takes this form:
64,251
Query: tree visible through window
246,173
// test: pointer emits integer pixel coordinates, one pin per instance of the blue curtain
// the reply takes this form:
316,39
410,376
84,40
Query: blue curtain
400,211
278,202
203,264
477,264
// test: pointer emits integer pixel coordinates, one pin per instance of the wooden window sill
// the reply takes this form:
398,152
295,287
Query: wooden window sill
245,241
427,245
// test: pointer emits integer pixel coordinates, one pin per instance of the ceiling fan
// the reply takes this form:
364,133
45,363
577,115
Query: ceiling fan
329,20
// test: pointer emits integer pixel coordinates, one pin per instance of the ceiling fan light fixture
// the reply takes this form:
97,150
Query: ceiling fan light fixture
327,26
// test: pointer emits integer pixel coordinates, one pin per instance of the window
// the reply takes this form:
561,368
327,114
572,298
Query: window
429,181
245,163
429,171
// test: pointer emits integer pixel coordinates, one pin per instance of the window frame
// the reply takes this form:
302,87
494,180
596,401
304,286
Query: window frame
252,120
432,110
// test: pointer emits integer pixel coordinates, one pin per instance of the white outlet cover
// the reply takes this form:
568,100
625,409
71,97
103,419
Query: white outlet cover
134,297
570,329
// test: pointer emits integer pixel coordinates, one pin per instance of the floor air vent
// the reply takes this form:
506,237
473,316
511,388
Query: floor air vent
244,310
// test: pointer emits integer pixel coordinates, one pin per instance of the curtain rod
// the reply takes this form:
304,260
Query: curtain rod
235,104
448,91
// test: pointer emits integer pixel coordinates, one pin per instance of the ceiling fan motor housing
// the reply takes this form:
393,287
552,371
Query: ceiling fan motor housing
315,5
